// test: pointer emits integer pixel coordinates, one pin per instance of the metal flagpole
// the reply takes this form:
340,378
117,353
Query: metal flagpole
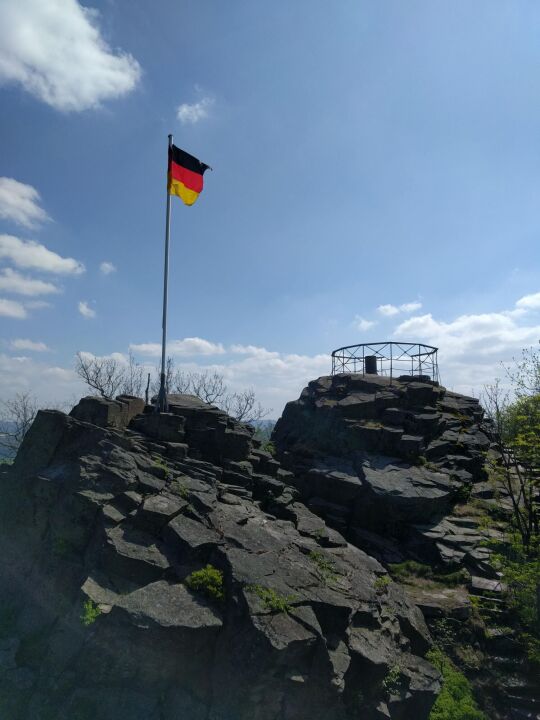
162,395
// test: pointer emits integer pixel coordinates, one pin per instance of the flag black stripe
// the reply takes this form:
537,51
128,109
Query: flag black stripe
181,157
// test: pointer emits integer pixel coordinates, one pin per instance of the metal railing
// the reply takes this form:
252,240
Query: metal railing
390,359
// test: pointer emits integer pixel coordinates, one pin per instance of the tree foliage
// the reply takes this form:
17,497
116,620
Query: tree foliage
515,416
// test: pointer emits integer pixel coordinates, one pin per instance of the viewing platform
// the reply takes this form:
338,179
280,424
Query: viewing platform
388,359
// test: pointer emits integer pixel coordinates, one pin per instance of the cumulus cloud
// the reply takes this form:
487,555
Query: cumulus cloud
13,282
55,51
529,302
22,344
190,114
33,255
362,324
106,268
20,203
390,310
85,310
12,309
187,346
410,307
51,384
472,347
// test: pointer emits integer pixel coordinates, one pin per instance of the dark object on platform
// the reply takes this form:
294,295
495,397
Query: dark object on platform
370,364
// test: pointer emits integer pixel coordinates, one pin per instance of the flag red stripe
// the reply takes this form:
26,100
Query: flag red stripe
192,180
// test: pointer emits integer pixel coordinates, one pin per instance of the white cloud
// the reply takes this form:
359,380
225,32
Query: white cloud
55,51
33,255
22,344
187,346
85,310
20,203
13,282
51,384
191,114
106,268
361,324
410,307
388,310
472,347
529,302
12,309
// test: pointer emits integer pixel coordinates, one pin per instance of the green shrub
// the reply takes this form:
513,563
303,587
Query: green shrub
392,682
209,581
411,569
381,584
91,612
456,701
273,601
324,566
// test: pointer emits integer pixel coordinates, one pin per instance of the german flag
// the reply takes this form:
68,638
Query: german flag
185,175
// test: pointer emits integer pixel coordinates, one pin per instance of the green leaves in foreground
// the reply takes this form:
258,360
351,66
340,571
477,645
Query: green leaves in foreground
456,701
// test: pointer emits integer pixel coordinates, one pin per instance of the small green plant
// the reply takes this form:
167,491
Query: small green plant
444,633
392,682
181,489
161,464
209,581
463,493
421,460
381,584
90,613
324,566
273,601
456,701
269,447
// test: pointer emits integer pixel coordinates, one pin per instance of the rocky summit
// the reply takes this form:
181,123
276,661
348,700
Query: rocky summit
166,567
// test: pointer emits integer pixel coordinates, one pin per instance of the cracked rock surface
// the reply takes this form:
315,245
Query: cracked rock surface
103,519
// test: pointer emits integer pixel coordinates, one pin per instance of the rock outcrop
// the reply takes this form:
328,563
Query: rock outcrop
170,568
399,468
371,455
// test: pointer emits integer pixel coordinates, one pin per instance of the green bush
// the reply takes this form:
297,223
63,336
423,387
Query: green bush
392,682
91,612
273,601
410,569
456,701
381,584
209,581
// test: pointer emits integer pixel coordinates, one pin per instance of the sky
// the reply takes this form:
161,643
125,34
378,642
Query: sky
376,176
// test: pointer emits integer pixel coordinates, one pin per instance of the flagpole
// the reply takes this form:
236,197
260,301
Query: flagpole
162,395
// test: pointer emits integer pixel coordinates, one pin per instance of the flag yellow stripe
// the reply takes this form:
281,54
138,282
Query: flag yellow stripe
178,188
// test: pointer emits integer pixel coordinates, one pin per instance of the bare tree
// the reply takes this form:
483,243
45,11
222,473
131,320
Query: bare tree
209,387
133,383
244,407
16,416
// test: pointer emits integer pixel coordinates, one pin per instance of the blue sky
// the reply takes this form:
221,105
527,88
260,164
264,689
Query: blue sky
376,176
